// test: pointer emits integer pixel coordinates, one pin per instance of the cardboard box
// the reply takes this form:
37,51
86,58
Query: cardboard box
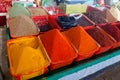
73,8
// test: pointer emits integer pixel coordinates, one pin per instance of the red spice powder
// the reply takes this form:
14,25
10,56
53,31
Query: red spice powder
111,30
57,47
100,36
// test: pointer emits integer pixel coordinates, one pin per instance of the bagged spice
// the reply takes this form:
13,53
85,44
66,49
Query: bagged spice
66,22
27,57
102,38
113,31
22,26
84,44
96,15
58,48
38,11
83,21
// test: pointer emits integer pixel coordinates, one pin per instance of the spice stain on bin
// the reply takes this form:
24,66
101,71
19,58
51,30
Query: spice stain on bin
58,48
102,38
22,26
84,44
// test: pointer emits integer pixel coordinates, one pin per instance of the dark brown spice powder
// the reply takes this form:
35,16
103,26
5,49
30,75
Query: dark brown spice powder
96,15
100,37
83,21
111,30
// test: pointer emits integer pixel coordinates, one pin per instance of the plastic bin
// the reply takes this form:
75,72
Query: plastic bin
27,57
84,21
42,23
58,48
96,15
20,29
37,11
82,42
102,38
113,31
53,22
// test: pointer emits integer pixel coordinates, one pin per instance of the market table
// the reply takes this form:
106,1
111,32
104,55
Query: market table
82,69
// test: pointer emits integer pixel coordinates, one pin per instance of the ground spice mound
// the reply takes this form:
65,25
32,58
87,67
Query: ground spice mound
22,26
111,30
109,16
57,45
84,21
80,39
102,39
37,11
96,15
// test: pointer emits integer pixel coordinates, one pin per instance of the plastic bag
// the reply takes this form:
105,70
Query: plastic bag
67,21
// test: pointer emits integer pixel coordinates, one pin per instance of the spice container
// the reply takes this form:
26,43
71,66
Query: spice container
83,21
84,45
18,10
53,22
96,15
22,26
42,23
27,51
37,11
109,16
58,48
113,31
101,37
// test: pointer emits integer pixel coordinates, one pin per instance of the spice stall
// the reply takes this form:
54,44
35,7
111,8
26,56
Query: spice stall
51,42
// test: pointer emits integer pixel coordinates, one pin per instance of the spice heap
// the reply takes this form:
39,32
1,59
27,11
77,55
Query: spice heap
58,48
84,44
111,30
37,11
18,10
22,26
27,52
102,38
109,16
115,12
96,15
84,21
